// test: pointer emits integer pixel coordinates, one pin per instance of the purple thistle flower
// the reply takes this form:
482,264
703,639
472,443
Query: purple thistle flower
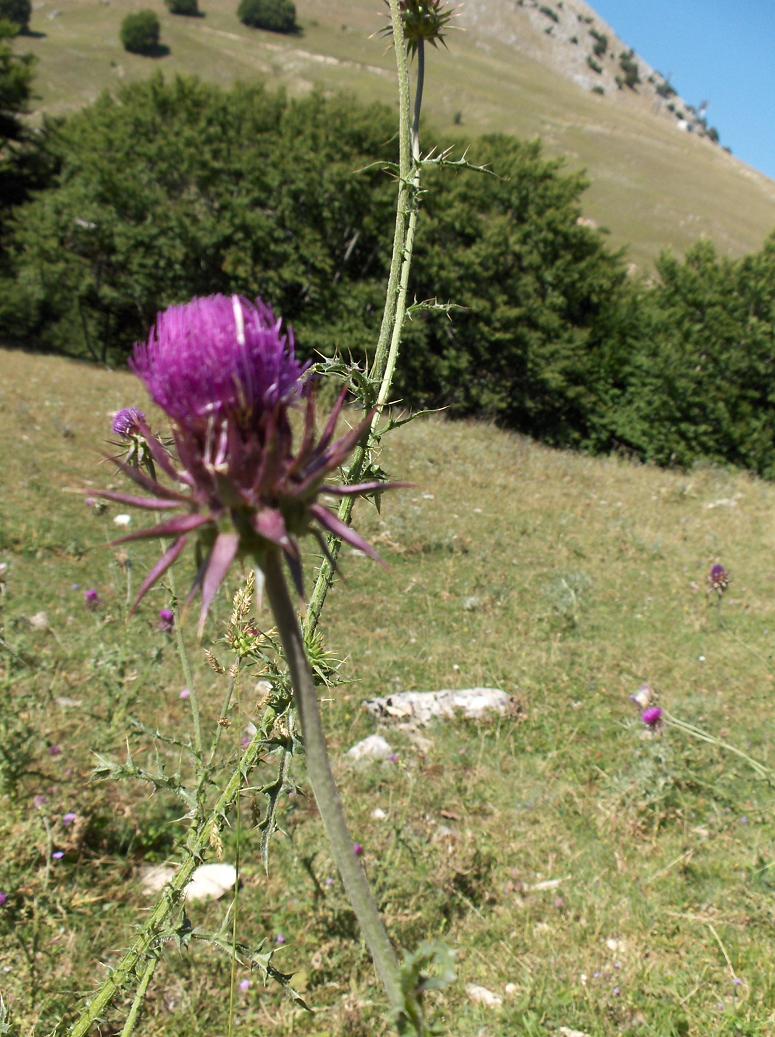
279,939
226,373
166,620
57,855
127,422
92,598
185,694
718,578
53,750
216,356
69,819
245,985
652,717
40,800
358,850
3,899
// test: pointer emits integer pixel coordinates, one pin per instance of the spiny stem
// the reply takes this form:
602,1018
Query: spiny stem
418,99
386,353
323,785
139,998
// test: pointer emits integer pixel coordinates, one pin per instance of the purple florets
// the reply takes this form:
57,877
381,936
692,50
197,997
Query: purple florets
166,620
126,422
218,355
3,899
718,578
652,717
92,598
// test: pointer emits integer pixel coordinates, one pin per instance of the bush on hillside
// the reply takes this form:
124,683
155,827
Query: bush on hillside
140,32
630,68
18,12
184,7
274,15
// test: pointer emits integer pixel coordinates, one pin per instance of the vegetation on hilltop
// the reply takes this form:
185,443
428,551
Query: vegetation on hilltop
174,189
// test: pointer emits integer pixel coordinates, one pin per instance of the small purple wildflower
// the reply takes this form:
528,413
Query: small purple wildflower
393,758
90,502
54,750
57,855
92,598
185,693
617,991
225,371
737,982
279,939
718,578
166,620
329,883
127,422
245,985
358,850
652,717
69,818
40,801
3,899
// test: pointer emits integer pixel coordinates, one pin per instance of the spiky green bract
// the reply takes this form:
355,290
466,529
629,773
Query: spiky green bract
425,21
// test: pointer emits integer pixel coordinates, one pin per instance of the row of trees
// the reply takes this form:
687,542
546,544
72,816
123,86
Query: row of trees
172,189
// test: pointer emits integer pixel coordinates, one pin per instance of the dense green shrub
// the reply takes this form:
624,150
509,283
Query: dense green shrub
140,32
549,12
274,15
630,68
184,7
601,42
18,12
593,64
701,384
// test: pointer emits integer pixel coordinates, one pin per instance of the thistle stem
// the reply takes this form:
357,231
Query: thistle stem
323,785
139,998
386,353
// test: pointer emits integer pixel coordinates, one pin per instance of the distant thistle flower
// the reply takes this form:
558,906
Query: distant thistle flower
3,899
69,818
424,21
652,717
358,850
92,598
126,422
718,578
57,855
185,694
166,620
55,750
245,985
225,372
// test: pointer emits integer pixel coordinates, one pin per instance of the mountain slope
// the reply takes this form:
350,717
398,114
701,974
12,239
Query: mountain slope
514,68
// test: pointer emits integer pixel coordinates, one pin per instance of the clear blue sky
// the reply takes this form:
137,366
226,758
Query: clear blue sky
722,51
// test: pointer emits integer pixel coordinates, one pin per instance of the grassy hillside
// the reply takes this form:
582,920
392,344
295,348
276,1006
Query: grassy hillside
652,185
596,878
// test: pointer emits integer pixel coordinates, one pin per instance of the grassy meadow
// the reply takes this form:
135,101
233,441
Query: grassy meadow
597,878
652,186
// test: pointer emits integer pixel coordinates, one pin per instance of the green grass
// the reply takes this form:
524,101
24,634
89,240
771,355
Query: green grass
590,575
652,186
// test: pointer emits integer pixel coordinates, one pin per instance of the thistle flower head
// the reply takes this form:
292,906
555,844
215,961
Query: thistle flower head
718,578
225,371
424,21
652,717
218,356
166,620
126,422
